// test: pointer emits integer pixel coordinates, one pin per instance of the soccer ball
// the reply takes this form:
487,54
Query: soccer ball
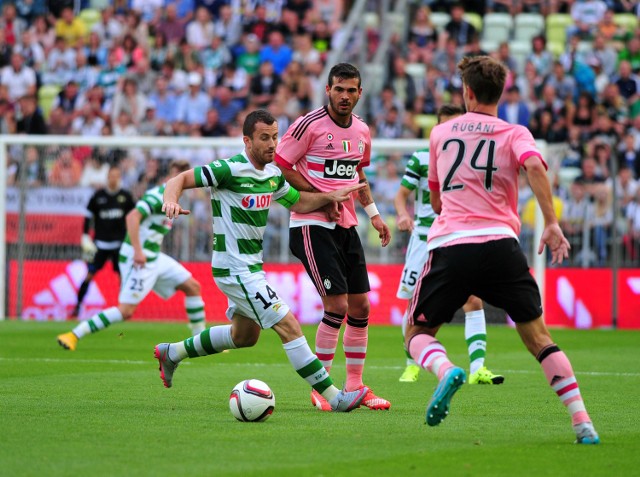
252,401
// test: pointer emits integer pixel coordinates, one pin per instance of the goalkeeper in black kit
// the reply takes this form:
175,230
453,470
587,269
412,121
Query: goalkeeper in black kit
107,210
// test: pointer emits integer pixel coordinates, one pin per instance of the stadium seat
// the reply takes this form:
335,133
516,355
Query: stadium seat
528,25
371,20
418,71
100,5
489,46
556,27
497,27
628,21
556,48
46,96
426,122
474,19
519,50
395,20
90,17
439,19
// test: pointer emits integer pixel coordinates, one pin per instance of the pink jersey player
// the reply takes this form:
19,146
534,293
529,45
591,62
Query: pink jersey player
328,156
474,163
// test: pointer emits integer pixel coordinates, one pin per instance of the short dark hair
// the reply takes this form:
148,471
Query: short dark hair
343,71
255,117
449,110
485,76
181,165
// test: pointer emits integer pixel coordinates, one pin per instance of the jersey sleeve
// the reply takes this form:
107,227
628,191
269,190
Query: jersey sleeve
524,146
285,194
411,177
91,207
294,144
216,175
366,156
129,204
432,175
149,205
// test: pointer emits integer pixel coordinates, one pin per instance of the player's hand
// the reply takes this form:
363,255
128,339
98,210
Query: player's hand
383,229
340,195
139,259
553,238
89,248
404,223
333,211
173,210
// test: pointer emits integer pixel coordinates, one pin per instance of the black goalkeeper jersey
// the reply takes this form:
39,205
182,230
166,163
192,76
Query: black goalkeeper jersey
109,211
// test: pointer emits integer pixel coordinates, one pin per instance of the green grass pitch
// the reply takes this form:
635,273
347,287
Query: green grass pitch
102,410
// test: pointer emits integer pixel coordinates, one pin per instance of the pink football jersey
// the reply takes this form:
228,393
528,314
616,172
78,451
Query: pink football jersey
474,163
328,156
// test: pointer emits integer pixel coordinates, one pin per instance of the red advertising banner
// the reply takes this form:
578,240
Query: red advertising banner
574,298
50,289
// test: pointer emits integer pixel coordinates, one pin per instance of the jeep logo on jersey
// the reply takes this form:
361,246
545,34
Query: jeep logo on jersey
256,201
340,169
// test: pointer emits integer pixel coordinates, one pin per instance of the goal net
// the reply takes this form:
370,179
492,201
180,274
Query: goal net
46,190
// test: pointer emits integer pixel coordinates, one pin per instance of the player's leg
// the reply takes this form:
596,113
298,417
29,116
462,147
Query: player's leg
356,333
439,294
243,332
560,376
95,265
317,249
172,276
194,304
475,334
415,259
309,367
138,282
520,297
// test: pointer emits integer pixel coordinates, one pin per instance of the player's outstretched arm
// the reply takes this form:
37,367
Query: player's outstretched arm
133,220
313,201
173,191
552,235
366,200
404,220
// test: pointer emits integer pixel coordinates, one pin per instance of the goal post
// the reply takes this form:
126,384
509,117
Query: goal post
41,220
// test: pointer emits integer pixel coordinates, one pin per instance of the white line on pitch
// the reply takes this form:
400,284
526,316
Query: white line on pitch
274,365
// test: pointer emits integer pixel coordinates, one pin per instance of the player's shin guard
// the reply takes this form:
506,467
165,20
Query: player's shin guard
475,334
327,338
309,367
559,374
429,353
355,350
98,322
211,341
195,312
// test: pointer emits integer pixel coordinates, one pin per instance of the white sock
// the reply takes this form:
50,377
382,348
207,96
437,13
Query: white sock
195,312
98,322
211,341
309,367
475,333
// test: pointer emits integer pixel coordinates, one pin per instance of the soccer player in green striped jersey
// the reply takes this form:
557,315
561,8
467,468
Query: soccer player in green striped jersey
143,268
242,190
414,182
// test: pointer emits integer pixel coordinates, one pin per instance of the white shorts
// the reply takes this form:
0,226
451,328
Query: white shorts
251,296
414,263
162,276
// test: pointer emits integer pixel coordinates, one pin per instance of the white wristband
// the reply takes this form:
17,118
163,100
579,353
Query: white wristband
371,210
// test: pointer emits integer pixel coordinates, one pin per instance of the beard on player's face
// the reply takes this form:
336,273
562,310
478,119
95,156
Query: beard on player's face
337,103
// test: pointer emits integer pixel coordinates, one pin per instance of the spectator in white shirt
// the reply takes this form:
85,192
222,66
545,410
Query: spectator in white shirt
19,79
200,31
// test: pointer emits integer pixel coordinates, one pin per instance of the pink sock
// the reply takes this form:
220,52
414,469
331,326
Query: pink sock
355,350
327,338
429,353
559,374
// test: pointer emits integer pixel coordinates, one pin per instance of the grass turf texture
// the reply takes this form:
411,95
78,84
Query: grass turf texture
102,410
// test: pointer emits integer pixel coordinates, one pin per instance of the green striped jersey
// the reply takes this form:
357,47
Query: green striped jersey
153,226
240,199
415,178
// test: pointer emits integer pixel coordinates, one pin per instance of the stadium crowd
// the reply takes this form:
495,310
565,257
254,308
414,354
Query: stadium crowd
197,67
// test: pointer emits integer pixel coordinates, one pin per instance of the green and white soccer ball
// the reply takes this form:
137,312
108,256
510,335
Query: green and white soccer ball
252,401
